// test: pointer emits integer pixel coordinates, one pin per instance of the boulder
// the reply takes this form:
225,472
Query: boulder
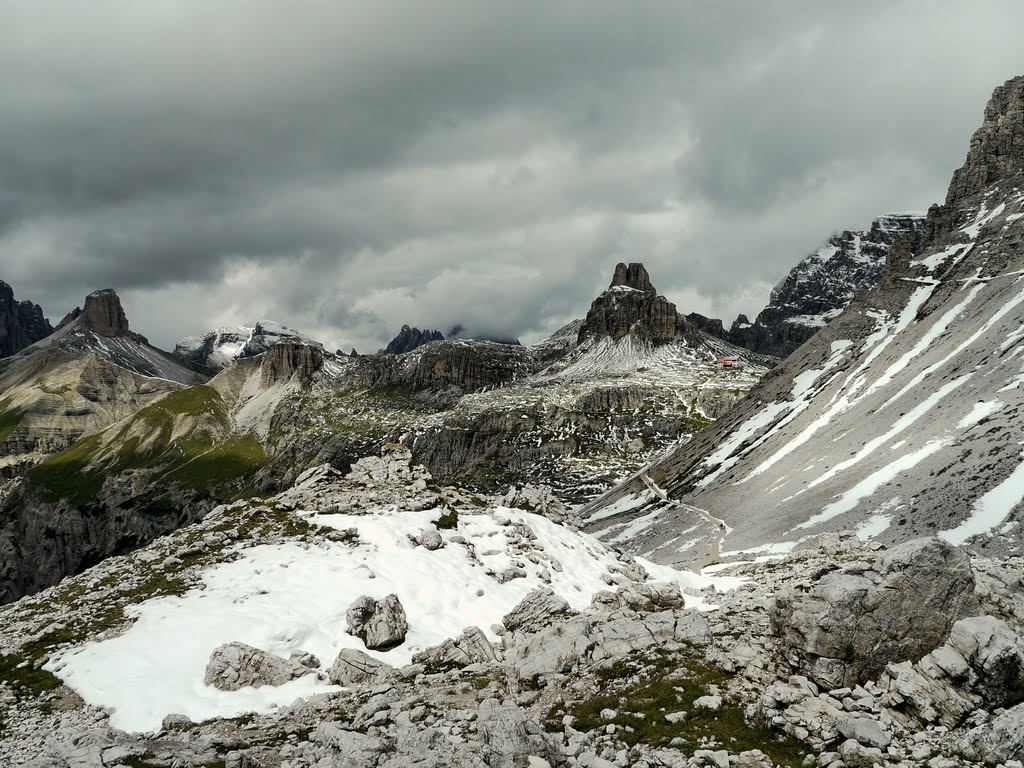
509,736
980,666
351,748
431,539
471,647
236,665
1001,740
651,596
380,624
537,610
850,624
353,667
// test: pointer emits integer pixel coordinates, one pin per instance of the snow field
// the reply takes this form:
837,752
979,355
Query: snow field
293,597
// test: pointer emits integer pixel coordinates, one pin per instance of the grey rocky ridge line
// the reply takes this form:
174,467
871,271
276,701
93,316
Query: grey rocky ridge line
21,322
821,286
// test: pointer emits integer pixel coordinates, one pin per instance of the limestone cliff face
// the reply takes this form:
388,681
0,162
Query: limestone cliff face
997,147
21,322
632,307
101,313
289,358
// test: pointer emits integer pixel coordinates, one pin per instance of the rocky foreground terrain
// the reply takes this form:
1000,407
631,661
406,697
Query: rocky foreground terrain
376,619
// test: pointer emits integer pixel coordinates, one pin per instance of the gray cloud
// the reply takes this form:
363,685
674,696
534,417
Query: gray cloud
347,167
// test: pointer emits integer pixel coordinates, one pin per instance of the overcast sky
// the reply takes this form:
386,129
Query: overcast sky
346,167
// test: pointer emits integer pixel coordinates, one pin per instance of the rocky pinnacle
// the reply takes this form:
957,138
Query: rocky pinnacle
21,322
104,315
997,147
632,276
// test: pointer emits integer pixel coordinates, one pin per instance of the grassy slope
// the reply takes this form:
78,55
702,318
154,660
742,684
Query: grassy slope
202,459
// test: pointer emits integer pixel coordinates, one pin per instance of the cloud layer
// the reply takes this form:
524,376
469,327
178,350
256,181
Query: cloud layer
348,167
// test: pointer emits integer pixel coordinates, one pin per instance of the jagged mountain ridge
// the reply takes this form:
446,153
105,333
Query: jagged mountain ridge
21,322
899,418
409,339
485,413
821,286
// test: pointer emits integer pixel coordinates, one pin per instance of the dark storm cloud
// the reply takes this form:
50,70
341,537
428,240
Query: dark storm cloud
347,167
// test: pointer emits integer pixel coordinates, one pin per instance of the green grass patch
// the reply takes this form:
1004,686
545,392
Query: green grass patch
199,459
20,674
448,521
64,475
9,419
672,682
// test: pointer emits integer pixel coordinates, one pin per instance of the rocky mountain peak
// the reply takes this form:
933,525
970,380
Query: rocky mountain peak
409,339
818,288
639,312
102,313
997,147
21,322
633,275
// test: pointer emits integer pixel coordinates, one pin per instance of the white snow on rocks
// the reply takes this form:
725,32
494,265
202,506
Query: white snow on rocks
989,511
292,597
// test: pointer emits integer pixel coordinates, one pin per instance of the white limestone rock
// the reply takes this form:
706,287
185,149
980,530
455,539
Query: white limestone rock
380,624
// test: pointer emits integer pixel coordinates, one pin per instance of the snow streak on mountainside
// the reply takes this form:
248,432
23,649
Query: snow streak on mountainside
900,418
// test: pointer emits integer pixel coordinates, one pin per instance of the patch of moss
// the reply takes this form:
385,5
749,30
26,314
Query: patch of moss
448,521
65,475
20,674
643,691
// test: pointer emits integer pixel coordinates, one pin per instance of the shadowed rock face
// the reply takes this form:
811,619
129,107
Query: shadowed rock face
818,288
633,275
409,339
103,314
287,358
21,322
632,307
997,147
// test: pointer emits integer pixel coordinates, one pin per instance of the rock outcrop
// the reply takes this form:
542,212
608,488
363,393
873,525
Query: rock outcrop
290,358
353,667
21,322
539,608
632,307
380,624
852,622
997,147
102,314
236,665
633,275
409,339
471,647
